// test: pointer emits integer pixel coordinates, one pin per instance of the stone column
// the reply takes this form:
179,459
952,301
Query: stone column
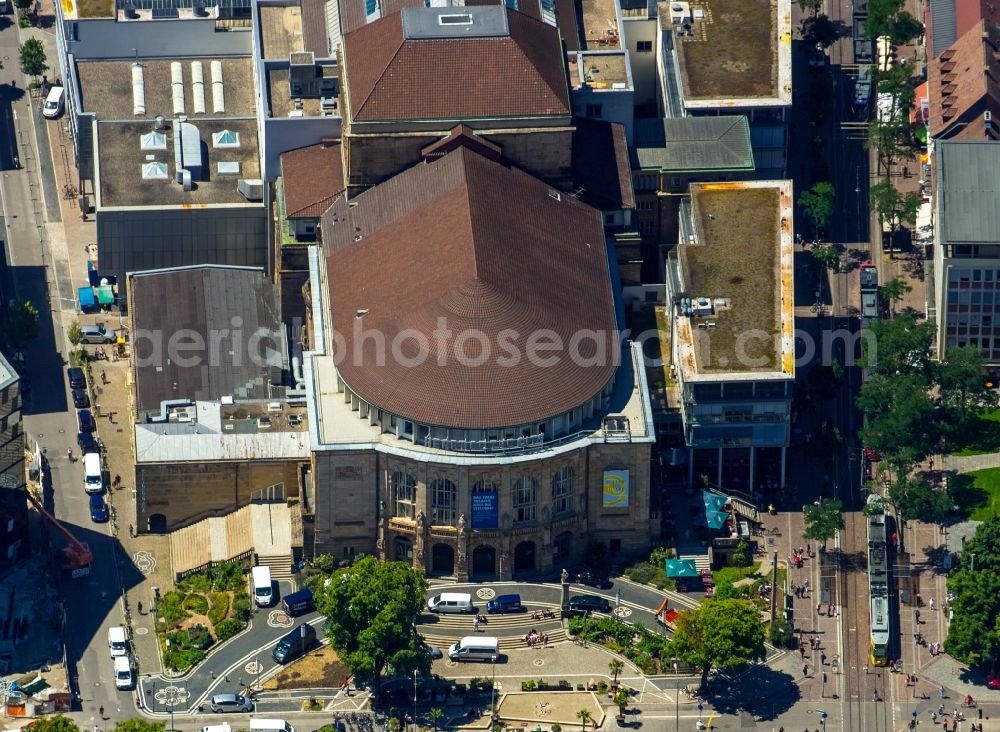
420,543
462,551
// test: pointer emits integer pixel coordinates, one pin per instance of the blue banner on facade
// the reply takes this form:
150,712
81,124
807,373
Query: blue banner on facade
485,510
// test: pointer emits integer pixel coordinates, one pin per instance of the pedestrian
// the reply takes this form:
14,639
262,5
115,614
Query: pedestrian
805,670
933,717
931,603
822,659
545,639
131,531
802,651
941,692
819,608
875,695
104,377
916,614
139,606
118,481
907,679
101,712
866,668
940,708
475,624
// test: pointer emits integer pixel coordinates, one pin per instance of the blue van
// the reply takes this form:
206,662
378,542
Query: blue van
504,604
298,603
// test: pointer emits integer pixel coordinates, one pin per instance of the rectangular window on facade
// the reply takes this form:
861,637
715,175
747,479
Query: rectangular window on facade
644,46
595,110
524,500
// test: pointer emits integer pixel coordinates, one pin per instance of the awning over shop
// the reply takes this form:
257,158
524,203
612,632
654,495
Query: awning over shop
715,513
681,568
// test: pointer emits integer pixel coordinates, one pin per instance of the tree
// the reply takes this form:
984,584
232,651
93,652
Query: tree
435,715
818,32
811,6
75,333
827,255
58,723
584,716
905,28
140,725
894,290
723,633
899,417
823,521
888,136
615,666
917,500
33,58
620,698
894,207
897,82
961,387
817,203
881,14
900,346
372,608
20,326
24,5
974,634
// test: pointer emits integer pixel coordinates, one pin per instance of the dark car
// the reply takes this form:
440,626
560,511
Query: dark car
294,644
593,580
231,703
98,509
435,652
589,603
86,442
85,421
80,399
77,380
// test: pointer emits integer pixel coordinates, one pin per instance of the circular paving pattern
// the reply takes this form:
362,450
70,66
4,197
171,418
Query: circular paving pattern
144,561
539,662
451,664
171,695
485,593
141,631
254,667
622,611
279,619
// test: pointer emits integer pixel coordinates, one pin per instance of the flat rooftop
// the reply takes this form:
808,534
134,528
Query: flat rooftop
106,88
280,30
739,53
340,426
122,165
599,71
968,187
741,262
280,100
242,431
600,29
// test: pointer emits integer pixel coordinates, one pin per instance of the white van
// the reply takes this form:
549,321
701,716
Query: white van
93,481
451,602
54,102
270,725
475,648
123,673
263,590
117,641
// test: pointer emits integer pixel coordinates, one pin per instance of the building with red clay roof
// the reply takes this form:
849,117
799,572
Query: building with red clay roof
962,87
474,379
409,75
312,178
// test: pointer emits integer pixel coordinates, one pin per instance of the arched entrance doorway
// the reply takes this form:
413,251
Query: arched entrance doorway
157,524
442,559
563,545
524,557
484,562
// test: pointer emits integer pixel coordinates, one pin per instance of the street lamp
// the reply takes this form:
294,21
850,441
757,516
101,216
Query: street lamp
677,694
493,690
258,673
414,700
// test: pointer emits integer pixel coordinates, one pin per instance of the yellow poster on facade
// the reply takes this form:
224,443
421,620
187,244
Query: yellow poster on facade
615,489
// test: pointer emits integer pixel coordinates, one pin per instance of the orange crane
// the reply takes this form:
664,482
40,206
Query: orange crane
77,555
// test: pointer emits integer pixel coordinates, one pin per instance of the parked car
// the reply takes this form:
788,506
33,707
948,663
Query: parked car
97,334
80,399
98,509
435,652
85,421
231,703
589,603
594,580
77,379
86,442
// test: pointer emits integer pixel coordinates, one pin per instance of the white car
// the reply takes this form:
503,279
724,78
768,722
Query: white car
124,678
117,641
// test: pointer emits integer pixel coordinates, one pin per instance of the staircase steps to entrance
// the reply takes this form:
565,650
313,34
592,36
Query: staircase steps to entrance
701,561
745,509
507,643
281,567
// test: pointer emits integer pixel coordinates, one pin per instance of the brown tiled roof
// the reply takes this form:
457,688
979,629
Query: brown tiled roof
961,84
312,178
461,136
314,27
490,250
353,16
601,165
569,25
390,77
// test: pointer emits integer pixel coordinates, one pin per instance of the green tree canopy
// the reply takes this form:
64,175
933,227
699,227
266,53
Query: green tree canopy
372,608
33,61
58,723
823,521
818,31
894,290
899,417
811,6
817,203
916,500
897,82
827,255
140,725
20,326
962,388
892,206
75,333
726,634
974,633
901,345
881,14
905,28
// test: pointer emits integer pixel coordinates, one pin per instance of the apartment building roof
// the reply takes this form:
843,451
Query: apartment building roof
494,256
314,27
736,270
601,165
949,20
207,305
738,54
312,178
466,63
963,81
693,144
968,190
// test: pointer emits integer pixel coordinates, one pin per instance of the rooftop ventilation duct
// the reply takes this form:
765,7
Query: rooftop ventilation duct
251,188
130,12
198,87
186,180
138,91
160,123
218,91
177,85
